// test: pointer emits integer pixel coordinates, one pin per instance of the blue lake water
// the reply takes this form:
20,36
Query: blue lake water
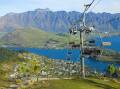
115,40
60,54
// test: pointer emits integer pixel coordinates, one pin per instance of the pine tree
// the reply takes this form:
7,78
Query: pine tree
111,70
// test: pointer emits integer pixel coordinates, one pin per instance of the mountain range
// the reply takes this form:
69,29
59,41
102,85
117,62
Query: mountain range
45,28
57,21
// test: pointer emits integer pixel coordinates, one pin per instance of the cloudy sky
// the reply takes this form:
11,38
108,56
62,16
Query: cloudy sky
7,6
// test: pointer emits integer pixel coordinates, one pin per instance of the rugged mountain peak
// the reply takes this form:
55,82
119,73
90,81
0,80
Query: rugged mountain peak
58,21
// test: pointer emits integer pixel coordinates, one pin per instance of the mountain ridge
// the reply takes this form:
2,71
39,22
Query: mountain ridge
57,21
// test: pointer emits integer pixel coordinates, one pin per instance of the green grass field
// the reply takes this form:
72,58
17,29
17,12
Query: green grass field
30,37
79,84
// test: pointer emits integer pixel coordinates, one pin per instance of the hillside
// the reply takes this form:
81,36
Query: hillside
12,60
58,21
88,83
30,37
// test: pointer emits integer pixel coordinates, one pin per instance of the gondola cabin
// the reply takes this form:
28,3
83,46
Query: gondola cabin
73,31
92,52
106,43
71,43
76,46
91,43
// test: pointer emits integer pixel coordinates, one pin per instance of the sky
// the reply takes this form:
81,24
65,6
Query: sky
18,6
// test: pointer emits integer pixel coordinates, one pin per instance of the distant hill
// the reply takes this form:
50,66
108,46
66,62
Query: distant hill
58,21
31,37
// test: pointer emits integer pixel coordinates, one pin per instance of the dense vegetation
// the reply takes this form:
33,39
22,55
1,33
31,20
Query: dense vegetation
7,60
6,55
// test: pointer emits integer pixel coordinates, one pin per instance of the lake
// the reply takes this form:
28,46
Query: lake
60,54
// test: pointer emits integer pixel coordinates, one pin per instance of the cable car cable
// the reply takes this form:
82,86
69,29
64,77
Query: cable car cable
95,5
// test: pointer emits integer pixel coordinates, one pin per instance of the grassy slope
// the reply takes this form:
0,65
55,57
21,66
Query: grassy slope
79,84
32,38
